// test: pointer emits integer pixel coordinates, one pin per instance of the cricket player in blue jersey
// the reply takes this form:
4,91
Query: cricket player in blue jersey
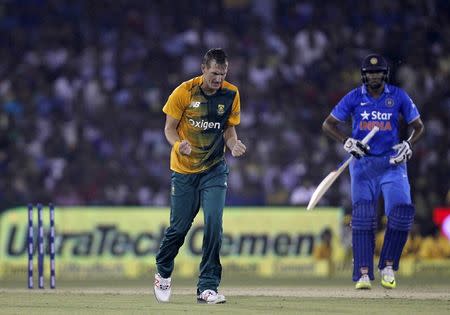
379,168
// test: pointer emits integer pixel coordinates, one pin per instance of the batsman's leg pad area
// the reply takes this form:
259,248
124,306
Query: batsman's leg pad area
401,217
399,223
363,237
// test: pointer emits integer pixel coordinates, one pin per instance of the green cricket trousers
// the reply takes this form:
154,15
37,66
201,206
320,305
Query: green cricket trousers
189,192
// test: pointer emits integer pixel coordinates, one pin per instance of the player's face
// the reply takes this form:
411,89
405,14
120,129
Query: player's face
213,76
375,79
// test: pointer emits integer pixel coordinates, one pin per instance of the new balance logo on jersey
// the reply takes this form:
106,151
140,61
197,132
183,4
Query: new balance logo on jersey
195,104
204,124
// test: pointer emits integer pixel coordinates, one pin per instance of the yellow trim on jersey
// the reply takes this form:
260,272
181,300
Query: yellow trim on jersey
190,106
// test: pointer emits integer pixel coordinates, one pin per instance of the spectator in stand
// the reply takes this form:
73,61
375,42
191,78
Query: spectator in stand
434,246
414,243
83,87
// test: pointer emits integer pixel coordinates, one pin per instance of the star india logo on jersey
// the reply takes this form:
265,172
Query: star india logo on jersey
375,118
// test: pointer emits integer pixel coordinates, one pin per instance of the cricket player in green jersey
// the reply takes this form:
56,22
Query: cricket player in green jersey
201,115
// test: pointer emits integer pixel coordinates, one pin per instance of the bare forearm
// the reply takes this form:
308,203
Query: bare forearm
170,130
235,145
171,135
181,146
230,137
330,128
418,129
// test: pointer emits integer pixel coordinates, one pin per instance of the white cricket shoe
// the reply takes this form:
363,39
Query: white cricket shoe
162,288
363,283
211,297
388,278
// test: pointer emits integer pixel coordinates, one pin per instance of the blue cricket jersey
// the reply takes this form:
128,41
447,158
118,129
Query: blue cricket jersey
367,112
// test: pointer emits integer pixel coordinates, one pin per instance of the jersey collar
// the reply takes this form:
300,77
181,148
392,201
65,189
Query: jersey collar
386,89
219,91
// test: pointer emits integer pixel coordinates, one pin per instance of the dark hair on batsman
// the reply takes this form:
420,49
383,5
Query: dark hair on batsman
217,54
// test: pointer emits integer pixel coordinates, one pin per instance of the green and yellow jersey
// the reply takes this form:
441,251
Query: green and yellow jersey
203,119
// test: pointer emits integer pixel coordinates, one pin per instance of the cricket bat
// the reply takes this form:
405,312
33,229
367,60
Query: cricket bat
329,180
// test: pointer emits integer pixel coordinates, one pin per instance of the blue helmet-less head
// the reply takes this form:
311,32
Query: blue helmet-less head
374,63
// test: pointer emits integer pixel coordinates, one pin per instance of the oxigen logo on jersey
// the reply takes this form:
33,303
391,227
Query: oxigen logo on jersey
379,119
204,124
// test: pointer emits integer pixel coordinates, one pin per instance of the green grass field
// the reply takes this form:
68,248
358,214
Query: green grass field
244,296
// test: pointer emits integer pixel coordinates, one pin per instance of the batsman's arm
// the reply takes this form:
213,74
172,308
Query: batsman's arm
418,129
330,127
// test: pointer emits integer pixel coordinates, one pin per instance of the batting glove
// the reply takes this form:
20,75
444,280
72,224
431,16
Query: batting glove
356,147
404,153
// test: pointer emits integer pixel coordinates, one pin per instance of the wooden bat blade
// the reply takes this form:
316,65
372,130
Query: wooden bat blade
329,180
322,188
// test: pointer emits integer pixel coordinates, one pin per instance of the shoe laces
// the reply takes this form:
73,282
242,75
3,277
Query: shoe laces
162,283
207,293
364,278
388,273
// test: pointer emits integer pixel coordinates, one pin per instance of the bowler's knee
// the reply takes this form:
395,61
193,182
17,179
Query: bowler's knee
177,232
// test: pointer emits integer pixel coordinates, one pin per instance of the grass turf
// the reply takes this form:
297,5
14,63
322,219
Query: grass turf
245,296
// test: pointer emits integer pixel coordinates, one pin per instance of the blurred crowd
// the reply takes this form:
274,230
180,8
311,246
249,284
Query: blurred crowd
82,85
431,245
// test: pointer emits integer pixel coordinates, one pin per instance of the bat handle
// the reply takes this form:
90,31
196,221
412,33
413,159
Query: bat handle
370,135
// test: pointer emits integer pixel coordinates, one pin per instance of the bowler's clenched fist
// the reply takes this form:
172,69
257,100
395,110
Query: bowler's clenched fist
185,148
238,149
